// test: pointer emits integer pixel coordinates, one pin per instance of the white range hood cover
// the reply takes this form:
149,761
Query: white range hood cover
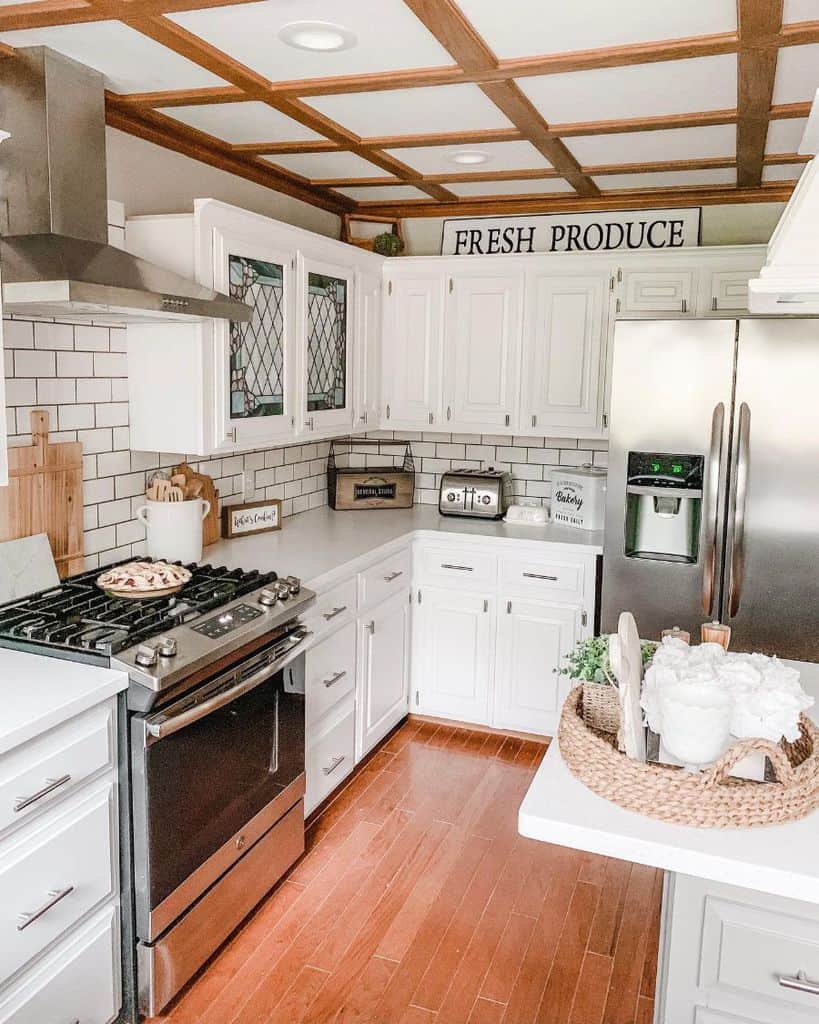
789,281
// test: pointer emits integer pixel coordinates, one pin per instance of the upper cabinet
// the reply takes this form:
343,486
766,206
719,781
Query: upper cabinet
368,288
4,464
326,356
652,291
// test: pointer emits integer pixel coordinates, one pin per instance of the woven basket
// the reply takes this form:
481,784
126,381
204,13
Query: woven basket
709,799
601,707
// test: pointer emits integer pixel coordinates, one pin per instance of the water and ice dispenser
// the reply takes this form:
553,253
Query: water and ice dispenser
663,506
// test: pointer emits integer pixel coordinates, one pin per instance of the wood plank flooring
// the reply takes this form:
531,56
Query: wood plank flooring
417,902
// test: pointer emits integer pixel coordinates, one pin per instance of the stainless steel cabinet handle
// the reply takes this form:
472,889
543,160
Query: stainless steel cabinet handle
51,784
54,896
800,982
534,421
370,627
506,419
711,510
460,568
334,678
388,410
334,612
540,576
393,575
231,435
684,305
714,304
310,423
335,763
485,605
431,418
740,497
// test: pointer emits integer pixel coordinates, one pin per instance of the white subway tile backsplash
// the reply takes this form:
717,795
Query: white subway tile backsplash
18,334
111,512
57,391
131,483
110,364
54,336
115,463
76,417
28,363
112,414
91,339
119,339
96,491
73,364
98,540
21,392
92,389
98,440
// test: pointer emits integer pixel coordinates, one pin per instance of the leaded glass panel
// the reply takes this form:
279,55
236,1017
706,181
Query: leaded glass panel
257,347
326,342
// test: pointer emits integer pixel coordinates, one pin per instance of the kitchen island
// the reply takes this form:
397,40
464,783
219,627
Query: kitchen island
740,906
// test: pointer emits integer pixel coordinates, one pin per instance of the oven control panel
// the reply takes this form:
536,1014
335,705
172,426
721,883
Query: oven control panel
225,622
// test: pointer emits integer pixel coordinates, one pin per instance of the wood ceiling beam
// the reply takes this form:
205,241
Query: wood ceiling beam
758,21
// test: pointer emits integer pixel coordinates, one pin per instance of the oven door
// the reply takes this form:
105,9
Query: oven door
211,774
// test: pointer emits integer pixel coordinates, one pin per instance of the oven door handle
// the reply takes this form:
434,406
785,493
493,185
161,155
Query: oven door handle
167,727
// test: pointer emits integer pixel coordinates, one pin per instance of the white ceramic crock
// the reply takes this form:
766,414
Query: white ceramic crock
173,529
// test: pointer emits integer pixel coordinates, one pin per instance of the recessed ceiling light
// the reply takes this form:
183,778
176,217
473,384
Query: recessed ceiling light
322,36
469,156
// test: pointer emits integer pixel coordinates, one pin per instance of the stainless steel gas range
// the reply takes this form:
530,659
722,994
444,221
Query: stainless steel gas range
212,770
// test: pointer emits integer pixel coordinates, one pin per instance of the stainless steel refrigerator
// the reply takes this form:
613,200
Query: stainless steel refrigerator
713,490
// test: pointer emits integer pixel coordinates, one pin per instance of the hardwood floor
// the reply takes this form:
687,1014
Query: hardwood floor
418,903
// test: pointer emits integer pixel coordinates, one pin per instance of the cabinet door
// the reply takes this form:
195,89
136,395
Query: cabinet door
384,671
655,291
727,291
413,310
564,353
253,372
326,330
482,353
367,350
533,638
454,638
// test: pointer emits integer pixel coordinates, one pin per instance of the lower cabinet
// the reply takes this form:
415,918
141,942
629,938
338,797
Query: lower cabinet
383,665
330,755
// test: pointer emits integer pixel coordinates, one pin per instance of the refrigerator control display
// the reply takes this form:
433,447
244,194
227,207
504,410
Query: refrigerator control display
664,470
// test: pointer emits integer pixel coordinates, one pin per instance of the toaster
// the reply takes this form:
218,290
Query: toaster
483,493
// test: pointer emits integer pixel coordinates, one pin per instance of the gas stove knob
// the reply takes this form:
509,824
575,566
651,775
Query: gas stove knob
166,647
293,584
146,656
283,591
268,597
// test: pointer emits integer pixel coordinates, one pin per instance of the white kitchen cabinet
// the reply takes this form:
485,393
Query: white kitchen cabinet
725,291
368,286
564,353
384,658
412,344
482,352
649,292
4,463
330,754
533,639
453,640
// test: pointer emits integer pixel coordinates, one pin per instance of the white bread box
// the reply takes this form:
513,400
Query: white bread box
579,497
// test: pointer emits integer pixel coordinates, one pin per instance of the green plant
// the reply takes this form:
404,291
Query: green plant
589,661
388,244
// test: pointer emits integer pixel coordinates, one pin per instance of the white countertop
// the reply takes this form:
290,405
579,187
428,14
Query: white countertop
37,693
780,859
313,545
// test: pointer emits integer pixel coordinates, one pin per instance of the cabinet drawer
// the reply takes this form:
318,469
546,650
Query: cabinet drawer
330,757
54,874
554,578
78,982
330,671
331,609
382,580
451,567
34,775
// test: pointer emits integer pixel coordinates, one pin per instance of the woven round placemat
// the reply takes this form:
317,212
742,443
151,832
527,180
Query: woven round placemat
709,799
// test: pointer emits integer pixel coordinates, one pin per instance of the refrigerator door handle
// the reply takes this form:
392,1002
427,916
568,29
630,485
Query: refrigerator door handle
711,510
740,497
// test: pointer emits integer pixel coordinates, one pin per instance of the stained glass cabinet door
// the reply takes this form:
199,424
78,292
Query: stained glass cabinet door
327,305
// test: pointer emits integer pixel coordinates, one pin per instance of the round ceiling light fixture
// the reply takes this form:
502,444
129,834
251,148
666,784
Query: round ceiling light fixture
469,157
318,36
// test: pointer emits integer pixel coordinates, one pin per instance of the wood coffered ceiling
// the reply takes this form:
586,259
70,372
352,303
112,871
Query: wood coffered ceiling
631,121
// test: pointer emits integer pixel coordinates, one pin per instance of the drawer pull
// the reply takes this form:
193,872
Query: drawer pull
334,612
460,568
800,983
335,763
334,678
393,575
540,576
51,784
54,897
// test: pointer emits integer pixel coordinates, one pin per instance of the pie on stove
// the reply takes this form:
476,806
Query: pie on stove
143,577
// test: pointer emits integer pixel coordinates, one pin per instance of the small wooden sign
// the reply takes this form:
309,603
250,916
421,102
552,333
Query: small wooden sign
251,517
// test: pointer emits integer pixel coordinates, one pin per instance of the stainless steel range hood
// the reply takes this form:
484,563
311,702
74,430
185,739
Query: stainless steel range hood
54,250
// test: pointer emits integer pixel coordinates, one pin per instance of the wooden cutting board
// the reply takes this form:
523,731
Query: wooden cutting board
44,495
212,525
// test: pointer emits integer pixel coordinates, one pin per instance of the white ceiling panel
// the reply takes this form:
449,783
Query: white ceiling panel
785,134
428,110
389,35
782,172
327,165
667,144
242,122
539,27
130,61
800,10
534,186
639,90
382,194
797,74
667,179
500,156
